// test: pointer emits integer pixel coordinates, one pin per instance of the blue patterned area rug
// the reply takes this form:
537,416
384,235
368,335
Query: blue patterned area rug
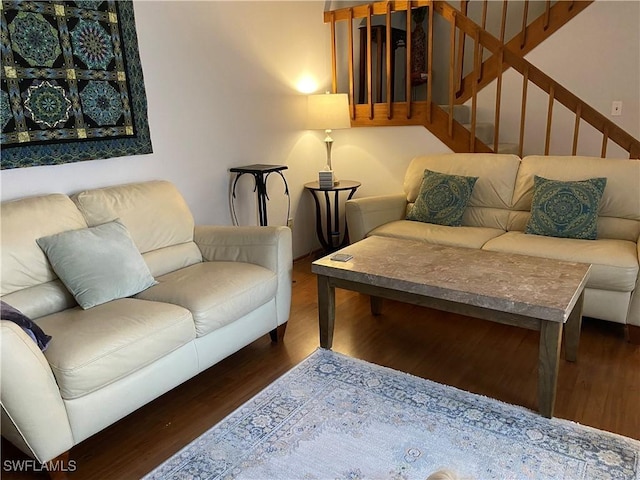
335,417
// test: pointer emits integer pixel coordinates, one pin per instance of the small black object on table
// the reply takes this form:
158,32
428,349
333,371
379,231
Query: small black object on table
260,173
331,240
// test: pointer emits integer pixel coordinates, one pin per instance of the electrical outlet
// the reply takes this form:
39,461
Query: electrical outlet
616,108
290,223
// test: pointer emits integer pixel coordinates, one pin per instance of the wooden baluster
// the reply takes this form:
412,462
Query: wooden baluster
547,14
388,60
496,134
429,62
407,85
605,137
474,89
547,141
523,110
576,129
369,63
523,33
461,39
352,99
485,4
503,23
452,73
334,72
485,7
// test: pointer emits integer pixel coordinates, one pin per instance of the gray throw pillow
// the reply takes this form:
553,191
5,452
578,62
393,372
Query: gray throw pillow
97,264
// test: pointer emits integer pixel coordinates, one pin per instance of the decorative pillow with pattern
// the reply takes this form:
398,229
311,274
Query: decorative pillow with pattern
565,209
442,199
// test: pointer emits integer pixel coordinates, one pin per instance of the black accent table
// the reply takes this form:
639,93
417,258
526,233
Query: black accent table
260,174
330,240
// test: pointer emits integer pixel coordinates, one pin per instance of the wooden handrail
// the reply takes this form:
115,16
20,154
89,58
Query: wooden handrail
556,91
377,8
534,33
502,56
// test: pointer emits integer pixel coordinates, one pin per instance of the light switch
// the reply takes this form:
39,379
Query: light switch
616,108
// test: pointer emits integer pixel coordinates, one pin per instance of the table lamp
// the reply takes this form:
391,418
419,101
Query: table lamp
329,111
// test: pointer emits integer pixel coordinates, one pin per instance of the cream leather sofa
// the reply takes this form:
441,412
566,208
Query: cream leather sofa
219,289
499,210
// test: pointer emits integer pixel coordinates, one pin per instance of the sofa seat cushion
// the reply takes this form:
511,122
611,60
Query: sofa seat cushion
614,262
464,236
216,293
93,348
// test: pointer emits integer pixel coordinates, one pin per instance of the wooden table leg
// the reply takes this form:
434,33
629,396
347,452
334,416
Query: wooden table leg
376,305
548,363
326,310
572,331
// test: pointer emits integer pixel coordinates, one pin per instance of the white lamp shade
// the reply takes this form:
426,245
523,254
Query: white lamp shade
328,111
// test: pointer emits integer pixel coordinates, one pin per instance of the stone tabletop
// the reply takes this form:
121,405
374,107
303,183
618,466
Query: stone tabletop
536,287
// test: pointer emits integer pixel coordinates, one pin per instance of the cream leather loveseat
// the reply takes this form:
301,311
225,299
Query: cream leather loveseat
217,290
499,210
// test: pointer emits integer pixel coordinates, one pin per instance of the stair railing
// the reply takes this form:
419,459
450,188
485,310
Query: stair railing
412,112
392,109
530,35
531,74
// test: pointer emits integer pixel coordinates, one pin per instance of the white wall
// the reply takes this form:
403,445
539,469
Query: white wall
220,80
221,87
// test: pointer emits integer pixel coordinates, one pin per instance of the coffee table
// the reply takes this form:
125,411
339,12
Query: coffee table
530,292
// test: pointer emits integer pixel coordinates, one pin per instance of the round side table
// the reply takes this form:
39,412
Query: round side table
330,239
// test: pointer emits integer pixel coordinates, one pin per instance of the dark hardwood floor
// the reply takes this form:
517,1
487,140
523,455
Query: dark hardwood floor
602,389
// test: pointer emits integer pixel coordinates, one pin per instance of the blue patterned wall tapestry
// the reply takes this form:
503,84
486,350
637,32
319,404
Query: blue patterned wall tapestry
72,85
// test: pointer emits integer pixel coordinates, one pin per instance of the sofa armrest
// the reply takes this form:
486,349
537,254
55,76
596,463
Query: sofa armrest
365,214
34,417
269,247
633,317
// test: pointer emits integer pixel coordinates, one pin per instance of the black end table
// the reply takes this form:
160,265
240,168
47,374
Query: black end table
260,174
330,240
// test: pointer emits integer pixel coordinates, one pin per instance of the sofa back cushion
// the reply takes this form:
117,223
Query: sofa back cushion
619,213
155,214
492,193
28,281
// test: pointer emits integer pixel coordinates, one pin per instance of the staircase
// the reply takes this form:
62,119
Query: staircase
458,91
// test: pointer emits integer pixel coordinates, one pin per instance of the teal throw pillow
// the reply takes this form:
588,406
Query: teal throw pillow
97,264
442,199
565,209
